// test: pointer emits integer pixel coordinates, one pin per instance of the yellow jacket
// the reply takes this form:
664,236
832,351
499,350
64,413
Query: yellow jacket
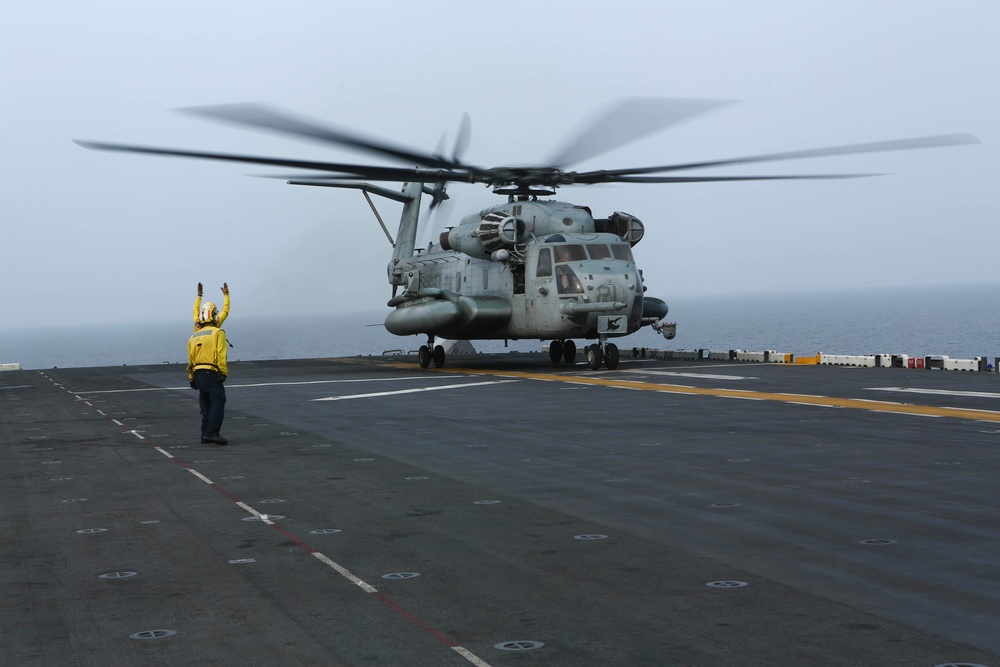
207,351
223,314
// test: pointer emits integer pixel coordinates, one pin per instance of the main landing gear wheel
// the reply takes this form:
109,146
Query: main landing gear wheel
569,351
611,356
437,356
594,356
555,351
424,356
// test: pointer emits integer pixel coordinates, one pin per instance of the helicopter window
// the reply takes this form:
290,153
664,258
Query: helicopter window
621,251
570,253
544,269
598,251
567,281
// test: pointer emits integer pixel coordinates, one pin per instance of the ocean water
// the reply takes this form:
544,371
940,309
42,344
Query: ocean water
958,321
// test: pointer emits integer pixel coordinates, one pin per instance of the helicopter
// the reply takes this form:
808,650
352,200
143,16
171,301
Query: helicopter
531,267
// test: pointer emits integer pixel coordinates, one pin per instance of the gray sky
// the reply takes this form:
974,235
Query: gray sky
91,237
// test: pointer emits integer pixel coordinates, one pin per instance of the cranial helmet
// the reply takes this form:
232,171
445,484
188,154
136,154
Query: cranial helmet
208,314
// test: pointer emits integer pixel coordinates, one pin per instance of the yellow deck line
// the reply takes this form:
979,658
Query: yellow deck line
822,401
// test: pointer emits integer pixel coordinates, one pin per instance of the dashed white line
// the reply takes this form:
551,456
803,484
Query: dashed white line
248,508
344,572
470,656
200,476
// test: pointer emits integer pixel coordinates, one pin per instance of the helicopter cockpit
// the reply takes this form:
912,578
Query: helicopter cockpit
564,256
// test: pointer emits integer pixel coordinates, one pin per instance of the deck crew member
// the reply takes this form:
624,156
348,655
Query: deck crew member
225,306
207,365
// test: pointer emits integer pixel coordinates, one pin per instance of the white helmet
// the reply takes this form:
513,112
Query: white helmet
209,313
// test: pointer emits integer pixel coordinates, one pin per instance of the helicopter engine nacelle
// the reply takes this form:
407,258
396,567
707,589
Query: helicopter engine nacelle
484,238
624,225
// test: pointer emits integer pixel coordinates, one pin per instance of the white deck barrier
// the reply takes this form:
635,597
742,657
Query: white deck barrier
961,364
10,367
865,360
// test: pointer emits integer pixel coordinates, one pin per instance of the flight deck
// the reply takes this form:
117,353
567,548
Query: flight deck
502,510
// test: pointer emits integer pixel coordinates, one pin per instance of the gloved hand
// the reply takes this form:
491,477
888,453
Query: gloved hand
225,289
199,289
193,385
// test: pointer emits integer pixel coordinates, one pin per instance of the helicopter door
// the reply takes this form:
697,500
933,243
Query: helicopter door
543,285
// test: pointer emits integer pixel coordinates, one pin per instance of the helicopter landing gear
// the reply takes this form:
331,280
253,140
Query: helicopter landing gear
606,354
562,350
425,355
611,356
437,356
594,356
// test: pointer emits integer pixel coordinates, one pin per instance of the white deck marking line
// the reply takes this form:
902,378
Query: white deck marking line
707,376
939,392
917,414
470,656
344,572
136,434
164,452
117,422
262,517
248,508
200,476
101,412
412,391
271,384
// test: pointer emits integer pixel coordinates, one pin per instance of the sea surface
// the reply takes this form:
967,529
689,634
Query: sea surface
961,322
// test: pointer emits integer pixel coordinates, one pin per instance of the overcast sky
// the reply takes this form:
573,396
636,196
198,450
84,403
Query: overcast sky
90,237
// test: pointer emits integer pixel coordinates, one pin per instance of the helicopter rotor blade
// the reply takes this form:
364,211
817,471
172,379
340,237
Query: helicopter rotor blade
627,121
353,171
938,141
259,116
712,179
463,139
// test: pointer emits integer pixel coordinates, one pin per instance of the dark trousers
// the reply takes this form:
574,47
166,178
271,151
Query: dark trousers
212,400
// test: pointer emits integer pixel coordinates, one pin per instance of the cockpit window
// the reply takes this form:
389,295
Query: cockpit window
621,251
566,280
598,251
544,268
569,253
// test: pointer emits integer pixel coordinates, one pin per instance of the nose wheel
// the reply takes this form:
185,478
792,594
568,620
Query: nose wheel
602,353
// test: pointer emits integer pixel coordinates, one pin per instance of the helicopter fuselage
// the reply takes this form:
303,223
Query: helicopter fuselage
525,269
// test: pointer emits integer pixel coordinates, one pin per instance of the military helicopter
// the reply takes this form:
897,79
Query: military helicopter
531,267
